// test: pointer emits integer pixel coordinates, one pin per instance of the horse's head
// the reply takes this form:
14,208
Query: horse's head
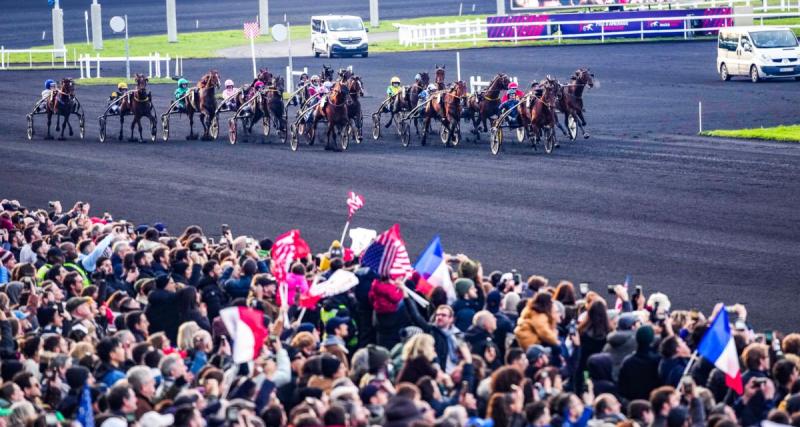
279,84
549,91
500,82
439,74
213,79
264,75
459,89
327,73
68,86
424,78
338,93
141,82
355,86
584,77
345,74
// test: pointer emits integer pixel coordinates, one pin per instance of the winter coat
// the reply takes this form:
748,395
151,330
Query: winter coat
162,313
478,339
389,325
620,344
535,328
295,283
671,370
465,310
385,297
600,367
416,368
638,375
212,295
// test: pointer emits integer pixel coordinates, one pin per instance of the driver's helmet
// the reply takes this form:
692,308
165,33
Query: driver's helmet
327,85
304,76
315,79
417,76
48,83
395,81
259,84
229,83
183,82
122,86
432,87
513,86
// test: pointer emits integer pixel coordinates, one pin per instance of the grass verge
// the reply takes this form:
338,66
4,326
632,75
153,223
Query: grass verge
103,81
784,21
789,133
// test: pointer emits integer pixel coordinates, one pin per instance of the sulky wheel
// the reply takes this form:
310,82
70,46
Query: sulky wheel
572,127
344,136
82,126
102,129
293,137
376,126
266,125
495,139
444,133
405,133
165,128
30,126
456,135
232,130
153,131
213,130
550,140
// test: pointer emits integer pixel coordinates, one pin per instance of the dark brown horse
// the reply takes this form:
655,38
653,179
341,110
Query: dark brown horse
138,103
486,104
326,74
448,109
570,100
539,112
335,111
273,98
413,91
62,103
204,102
438,77
345,74
355,89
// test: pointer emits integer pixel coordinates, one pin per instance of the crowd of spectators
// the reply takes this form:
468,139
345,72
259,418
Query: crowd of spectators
108,323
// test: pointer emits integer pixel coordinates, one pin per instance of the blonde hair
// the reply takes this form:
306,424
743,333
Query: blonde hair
419,345
185,335
21,413
81,350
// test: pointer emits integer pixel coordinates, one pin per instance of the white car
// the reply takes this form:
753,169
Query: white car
340,35
758,52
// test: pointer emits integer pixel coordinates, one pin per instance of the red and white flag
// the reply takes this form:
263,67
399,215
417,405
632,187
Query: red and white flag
287,248
387,255
354,203
251,30
246,328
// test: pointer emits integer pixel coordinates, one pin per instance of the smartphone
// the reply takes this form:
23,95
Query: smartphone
760,381
225,229
584,288
611,290
637,292
211,241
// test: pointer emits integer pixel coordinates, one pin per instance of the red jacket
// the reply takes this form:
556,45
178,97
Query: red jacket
505,97
385,297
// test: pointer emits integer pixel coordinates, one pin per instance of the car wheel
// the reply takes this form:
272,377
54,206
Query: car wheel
723,72
365,55
329,52
314,49
754,74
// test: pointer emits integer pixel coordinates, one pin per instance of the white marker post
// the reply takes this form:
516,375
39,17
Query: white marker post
263,15
97,25
374,18
172,22
700,115
501,7
58,30
86,22
118,24
458,66
280,33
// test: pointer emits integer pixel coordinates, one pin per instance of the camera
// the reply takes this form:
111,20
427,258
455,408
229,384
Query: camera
572,327
584,288
225,229
517,277
611,290
51,204
637,293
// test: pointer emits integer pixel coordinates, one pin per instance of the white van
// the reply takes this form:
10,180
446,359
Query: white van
339,35
758,52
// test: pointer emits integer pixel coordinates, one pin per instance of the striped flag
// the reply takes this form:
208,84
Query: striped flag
251,30
354,203
287,248
246,328
387,255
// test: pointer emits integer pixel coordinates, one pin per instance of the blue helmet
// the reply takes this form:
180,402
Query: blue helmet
48,83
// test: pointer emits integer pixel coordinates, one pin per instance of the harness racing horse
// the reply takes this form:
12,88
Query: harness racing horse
335,112
203,101
486,104
139,104
439,76
397,105
273,99
448,109
344,75
413,91
355,88
539,114
327,73
571,99
62,103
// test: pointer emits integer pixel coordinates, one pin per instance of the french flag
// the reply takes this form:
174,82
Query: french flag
246,328
718,347
432,268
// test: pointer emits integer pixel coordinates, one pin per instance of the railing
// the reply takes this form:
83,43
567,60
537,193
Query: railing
290,73
476,84
476,30
5,56
663,5
154,61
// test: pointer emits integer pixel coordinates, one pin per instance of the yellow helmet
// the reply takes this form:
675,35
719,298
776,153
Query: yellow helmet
395,79
122,85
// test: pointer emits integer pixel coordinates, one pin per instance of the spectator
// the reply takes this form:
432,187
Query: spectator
638,374
162,307
537,323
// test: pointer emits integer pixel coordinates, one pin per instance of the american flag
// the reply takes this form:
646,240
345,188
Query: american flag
251,30
354,203
387,255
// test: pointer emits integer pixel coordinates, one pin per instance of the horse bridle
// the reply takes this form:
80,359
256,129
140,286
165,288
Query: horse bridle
489,88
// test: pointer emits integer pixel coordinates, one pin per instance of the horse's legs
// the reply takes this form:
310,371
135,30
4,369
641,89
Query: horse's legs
49,118
58,120
426,125
121,126
133,125
63,126
580,115
391,118
66,121
191,135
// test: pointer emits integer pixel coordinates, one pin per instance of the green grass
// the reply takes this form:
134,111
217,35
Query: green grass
779,133
112,81
783,21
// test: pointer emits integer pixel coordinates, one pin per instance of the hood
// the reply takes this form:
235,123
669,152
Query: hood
600,366
620,338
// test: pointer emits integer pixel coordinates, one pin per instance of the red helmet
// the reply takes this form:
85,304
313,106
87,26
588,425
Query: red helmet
512,85
259,84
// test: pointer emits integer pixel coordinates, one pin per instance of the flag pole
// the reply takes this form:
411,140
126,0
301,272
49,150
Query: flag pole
415,296
686,371
344,232
253,54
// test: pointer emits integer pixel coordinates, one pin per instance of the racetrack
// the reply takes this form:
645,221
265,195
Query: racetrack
704,220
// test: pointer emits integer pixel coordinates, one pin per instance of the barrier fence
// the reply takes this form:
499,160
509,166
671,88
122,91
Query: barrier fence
545,27
87,63
5,56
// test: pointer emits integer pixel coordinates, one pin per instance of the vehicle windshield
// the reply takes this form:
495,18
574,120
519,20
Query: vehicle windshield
771,39
345,24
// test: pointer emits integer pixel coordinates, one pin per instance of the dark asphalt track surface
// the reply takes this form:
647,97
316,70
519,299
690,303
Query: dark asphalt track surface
149,16
703,220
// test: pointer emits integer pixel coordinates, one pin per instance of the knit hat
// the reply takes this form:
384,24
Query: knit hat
369,392
409,331
77,376
305,327
5,256
677,417
9,368
401,411
330,365
493,301
645,336
75,302
377,356
626,321
463,286
162,280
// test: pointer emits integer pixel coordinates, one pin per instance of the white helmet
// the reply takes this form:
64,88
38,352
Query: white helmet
315,77
228,82
433,86
327,85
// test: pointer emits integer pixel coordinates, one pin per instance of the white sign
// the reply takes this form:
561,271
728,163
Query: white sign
117,24
279,32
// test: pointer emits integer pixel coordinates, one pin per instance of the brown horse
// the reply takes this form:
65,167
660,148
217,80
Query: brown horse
413,91
139,104
438,77
334,111
62,103
326,74
448,108
273,99
355,89
539,112
203,101
571,99
486,104
345,74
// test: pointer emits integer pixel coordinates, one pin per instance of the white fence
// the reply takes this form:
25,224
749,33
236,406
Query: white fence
477,30
5,56
154,64
476,84
658,5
